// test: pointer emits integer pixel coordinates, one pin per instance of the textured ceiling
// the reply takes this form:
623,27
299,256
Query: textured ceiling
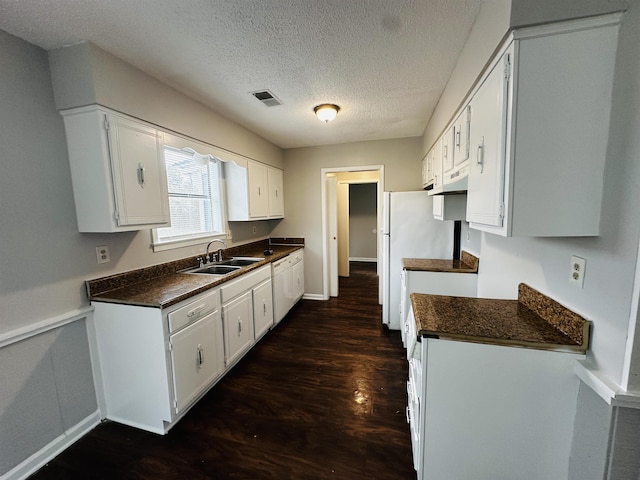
385,62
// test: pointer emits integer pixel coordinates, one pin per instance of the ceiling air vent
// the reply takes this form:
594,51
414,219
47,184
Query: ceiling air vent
266,97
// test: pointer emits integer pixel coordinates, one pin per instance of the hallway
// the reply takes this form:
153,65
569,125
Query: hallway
321,396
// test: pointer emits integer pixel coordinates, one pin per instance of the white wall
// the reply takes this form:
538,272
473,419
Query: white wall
85,74
544,263
302,186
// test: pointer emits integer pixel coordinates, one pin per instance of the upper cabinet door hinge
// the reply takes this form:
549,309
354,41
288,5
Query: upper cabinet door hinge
507,67
107,126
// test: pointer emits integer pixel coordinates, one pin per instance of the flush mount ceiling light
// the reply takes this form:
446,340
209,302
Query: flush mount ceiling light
326,112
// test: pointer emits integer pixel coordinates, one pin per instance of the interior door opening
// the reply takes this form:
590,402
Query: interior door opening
336,198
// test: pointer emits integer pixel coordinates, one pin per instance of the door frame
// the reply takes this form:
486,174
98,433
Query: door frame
325,215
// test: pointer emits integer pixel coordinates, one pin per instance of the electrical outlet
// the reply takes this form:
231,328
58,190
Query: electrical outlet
578,269
102,254
255,230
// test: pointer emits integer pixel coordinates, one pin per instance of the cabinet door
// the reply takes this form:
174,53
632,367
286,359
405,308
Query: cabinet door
485,195
258,190
461,133
437,166
276,196
238,326
298,281
262,308
427,170
197,358
447,151
139,174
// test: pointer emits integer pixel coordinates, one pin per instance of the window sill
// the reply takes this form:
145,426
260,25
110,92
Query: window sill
185,242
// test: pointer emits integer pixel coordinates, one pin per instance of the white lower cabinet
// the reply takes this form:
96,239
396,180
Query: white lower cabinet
238,326
288,283
238,311
155,363
197,358
487,411
262,308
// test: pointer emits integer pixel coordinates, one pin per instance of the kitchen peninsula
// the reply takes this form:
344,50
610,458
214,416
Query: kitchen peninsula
490,381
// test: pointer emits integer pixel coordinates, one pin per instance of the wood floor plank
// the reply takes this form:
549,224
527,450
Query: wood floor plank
322,396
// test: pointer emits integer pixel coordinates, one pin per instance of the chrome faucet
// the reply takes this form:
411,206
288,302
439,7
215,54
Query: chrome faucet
219,256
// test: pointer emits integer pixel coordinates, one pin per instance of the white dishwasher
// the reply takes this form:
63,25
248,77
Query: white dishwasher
282,279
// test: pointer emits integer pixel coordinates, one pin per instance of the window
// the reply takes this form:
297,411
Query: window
194,199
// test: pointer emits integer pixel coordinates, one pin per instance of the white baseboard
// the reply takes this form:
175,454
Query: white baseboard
313,296
363,259
51,450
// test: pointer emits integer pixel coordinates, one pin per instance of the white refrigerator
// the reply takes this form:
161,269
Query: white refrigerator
408,231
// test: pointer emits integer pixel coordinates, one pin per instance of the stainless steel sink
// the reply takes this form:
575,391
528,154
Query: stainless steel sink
241,261
225,267
214,269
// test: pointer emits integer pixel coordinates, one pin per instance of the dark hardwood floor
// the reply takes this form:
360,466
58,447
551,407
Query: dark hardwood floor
323,395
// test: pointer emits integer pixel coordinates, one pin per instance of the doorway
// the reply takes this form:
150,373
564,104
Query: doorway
335,185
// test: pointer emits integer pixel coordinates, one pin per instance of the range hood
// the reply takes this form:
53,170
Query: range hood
456,181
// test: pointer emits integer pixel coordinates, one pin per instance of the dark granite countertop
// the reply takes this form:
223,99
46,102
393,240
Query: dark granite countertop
532,321
163,285
467,264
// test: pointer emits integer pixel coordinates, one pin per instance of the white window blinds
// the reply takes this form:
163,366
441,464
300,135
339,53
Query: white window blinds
194,195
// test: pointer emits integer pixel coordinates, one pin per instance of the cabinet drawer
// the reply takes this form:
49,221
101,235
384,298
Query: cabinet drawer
193,311
296,257
246,282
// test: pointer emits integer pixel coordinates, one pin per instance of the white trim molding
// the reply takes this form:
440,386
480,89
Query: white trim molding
313,296
34,329
52,449
608,390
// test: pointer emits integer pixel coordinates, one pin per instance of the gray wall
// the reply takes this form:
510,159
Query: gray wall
46,384
303,194
363,220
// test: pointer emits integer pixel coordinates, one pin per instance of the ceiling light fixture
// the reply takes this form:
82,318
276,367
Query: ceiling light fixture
326,112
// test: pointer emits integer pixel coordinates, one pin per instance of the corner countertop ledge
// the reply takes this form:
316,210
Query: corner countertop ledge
532,321
467,264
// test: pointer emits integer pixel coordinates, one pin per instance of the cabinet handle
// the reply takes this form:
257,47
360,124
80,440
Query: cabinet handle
200,356
445,153
264,308
195,311
480,156
239,327
408,414
276,193
141,170
457,137
259,193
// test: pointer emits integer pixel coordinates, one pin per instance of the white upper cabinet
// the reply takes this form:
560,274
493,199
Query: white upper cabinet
461,132
488,117
427,170
254,192
447,152
276,195
436,165
117,170
258,190
539,131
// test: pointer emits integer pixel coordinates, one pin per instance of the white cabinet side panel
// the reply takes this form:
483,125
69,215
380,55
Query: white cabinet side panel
496,412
